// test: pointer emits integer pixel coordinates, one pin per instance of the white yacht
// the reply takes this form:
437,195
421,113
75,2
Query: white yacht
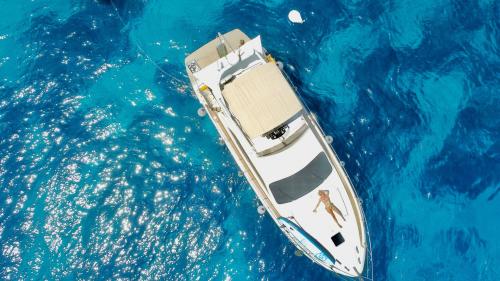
281,149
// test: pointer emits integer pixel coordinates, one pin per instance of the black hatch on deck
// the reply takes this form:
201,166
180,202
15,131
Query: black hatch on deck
338,239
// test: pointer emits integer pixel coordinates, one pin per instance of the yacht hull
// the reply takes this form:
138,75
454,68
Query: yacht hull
290,226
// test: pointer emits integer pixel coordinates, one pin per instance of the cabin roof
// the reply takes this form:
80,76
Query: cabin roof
261,99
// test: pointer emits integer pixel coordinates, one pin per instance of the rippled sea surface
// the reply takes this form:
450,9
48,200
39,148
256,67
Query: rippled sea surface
107,172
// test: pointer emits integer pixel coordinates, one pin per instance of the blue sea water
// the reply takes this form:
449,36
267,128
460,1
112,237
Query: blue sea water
107,172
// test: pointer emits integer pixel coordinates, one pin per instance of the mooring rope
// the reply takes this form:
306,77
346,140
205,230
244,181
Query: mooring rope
142,51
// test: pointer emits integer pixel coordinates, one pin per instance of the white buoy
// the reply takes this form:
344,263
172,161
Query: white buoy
240,174
202,112
295,17
280,64
261,210
329,139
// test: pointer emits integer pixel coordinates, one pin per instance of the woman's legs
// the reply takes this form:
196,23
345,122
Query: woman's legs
330,211
338,211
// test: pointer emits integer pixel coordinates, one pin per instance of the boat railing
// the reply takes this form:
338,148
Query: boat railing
367,241
250,172
344,176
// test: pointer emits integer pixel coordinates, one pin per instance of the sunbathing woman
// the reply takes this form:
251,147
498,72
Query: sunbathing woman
329,207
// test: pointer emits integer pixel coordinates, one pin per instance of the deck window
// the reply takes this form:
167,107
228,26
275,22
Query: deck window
304,181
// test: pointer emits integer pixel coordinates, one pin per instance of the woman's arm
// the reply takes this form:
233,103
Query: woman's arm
319,201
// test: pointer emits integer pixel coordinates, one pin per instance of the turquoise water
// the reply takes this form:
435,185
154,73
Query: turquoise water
107,172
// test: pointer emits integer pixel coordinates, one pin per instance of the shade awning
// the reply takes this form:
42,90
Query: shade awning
261,99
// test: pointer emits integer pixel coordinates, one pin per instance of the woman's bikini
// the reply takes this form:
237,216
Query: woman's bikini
329,206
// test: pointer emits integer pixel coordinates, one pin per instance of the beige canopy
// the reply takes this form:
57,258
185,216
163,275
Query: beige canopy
261,99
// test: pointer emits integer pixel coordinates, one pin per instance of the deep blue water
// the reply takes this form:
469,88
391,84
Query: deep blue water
106,171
